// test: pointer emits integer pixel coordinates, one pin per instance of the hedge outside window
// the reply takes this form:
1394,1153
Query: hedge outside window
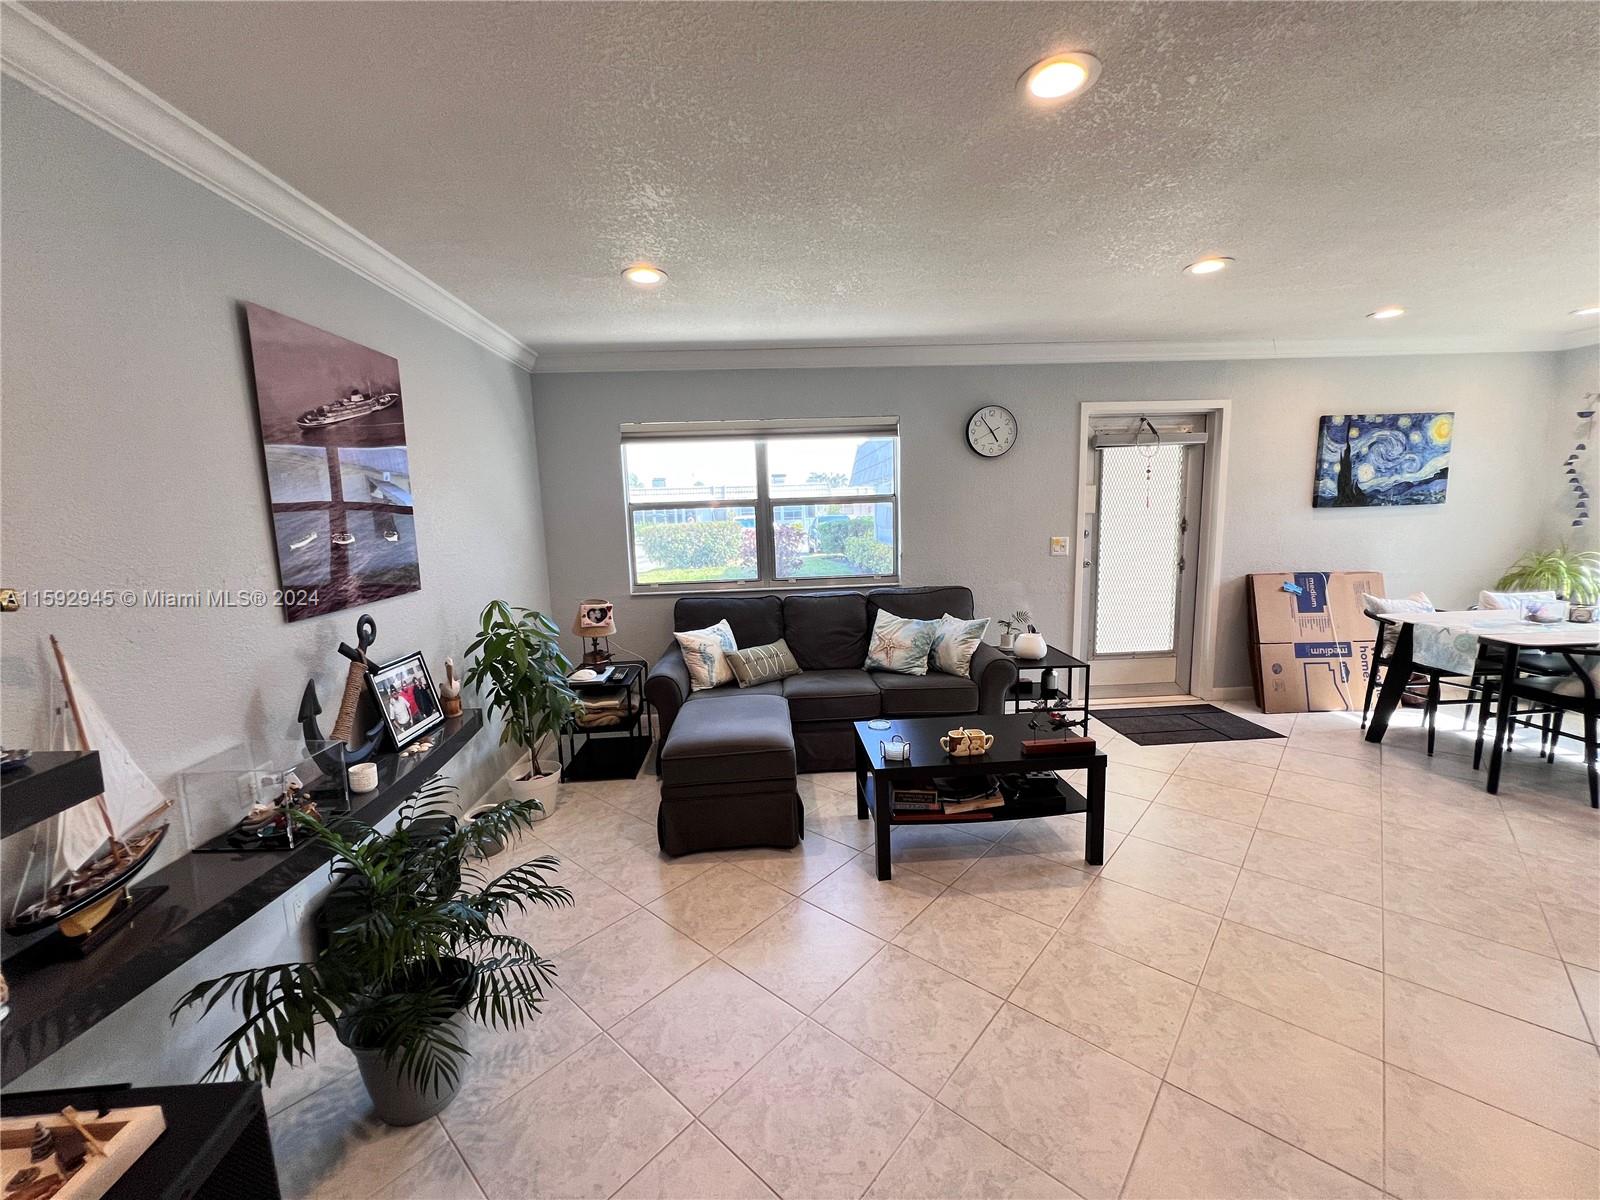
761,505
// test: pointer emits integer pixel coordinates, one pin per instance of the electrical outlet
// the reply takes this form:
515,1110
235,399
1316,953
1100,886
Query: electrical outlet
1060,547
295,904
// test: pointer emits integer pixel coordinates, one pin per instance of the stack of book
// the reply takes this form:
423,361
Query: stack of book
967,799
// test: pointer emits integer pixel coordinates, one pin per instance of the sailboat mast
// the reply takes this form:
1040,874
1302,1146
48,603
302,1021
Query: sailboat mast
83,741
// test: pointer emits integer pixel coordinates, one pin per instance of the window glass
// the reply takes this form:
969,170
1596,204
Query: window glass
694,545
833,541
830,466
676,470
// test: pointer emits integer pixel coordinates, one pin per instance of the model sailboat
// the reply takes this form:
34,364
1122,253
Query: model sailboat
93,849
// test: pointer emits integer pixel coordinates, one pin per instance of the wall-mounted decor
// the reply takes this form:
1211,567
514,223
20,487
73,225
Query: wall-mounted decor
338,477
1575,463
1364,461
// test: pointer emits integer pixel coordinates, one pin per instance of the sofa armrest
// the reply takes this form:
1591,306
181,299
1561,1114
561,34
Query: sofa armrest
995,674
667,688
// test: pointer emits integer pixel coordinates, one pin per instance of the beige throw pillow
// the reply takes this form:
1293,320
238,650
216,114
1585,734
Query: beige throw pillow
763,664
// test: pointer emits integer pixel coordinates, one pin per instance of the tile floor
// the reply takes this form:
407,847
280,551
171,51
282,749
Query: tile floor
1308,968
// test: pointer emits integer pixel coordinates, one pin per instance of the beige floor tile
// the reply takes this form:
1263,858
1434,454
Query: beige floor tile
1160,933
1030,1085
1478,864
618,969
913,1017
883,907
1162,759
945,1157
584,1128
981,942
1123,812
598,835
1556,839
794,870
705,1031
941,852
643,873
720,906
841,782
439,1176
1181,829
1260,752
1525,1069
1212,799
1341,743
290,1085
1055,835
1356,799
1587,984
1120,1005
1494,913
1321,1096
639,797
1342,831
833,815
1441,1145
1202,883
331,1144
1330,996
802,954
1342,872
506,1060
1037,887
1138,782
1576,935
1194,1149
1320,920
816,1117
1567,884
1336,767
1228,772
595,906
1503,978
695,1166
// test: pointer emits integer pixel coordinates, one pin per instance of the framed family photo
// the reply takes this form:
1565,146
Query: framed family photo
407,698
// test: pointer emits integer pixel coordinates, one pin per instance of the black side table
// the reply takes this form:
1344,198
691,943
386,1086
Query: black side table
1029,695
610,751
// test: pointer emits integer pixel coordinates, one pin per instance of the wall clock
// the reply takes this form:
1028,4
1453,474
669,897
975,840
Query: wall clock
992,431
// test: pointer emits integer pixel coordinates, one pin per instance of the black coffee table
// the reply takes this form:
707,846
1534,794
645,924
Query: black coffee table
877,779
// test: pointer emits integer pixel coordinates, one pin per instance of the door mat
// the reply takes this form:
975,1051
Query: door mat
1172,723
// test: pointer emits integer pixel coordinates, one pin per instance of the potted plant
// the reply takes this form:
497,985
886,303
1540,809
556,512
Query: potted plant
522,675
1572,575
1018,623
415,953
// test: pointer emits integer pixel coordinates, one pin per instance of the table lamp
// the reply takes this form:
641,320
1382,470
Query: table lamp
595,621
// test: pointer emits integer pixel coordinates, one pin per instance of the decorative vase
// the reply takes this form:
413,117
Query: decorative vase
1007,640
1031,645
396,1099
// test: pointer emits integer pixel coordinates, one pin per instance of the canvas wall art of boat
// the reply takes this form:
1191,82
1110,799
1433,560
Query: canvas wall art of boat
346,408
88,853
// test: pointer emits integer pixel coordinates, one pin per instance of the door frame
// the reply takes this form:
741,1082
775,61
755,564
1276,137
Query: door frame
1214,486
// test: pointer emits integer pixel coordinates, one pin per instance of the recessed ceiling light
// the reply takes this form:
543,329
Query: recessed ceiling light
644,275
1060,76
1209,265
1592,311
1387,314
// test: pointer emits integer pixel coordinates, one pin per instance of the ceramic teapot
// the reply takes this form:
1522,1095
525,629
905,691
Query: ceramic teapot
966,743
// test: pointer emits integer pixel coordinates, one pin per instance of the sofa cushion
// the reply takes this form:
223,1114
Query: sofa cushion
729,739
826,631
920,603
844,695
925,695
705,652
775,688
756,620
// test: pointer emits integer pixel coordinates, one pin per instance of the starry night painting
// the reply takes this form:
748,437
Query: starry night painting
1364,461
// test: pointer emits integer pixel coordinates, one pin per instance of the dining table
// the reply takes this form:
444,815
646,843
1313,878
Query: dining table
1452,640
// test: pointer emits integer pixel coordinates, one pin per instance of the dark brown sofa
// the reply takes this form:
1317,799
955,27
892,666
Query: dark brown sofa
827,632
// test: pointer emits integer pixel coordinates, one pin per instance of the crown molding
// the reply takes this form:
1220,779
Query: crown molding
1036,353
37,54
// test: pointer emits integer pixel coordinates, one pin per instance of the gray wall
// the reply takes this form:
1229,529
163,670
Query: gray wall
131,459
1577,386
987,523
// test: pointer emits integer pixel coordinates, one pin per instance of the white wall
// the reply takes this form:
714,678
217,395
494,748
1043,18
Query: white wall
131,458
1577,386
987,523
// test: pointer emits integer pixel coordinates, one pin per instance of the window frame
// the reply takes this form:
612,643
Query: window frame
763,502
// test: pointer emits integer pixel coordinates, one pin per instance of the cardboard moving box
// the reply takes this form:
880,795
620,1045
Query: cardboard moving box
1311,641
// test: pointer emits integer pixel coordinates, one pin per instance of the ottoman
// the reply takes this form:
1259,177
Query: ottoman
728,777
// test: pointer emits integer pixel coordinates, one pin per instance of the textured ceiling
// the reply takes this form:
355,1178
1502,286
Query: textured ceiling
865,173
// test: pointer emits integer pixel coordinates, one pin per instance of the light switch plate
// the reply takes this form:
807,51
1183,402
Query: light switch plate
1060,547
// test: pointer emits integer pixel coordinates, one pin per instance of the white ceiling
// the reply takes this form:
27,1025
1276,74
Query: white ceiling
855,174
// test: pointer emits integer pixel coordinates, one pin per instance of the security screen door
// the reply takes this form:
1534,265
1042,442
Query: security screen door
1143,555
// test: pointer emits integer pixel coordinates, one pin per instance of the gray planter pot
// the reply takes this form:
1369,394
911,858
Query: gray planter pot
399,1101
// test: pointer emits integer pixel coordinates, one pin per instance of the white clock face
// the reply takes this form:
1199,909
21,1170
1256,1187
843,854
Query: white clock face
992,431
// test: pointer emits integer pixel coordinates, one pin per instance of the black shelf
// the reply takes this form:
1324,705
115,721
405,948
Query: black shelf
49,782
1066,800
207,896
608,758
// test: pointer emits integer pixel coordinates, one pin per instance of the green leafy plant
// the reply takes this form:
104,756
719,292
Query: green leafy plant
869,556
522,675
416,941
1020,621
1572,574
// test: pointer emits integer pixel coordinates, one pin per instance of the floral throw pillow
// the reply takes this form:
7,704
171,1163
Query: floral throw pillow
954,644
900,644
706,653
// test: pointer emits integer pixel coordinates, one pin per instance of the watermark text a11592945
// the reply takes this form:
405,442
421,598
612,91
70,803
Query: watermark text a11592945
15,599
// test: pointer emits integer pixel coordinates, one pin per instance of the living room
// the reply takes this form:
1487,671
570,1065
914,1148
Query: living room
864,456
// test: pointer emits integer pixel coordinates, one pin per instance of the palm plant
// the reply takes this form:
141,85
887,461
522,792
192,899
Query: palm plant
1572,574
522,675
416,943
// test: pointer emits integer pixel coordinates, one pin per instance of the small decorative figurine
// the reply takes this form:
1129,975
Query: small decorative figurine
44,1143
450,693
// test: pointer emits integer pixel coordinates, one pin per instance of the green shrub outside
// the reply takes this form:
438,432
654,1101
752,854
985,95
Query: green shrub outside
695,544
869,556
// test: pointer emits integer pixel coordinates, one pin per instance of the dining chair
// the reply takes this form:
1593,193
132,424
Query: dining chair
1484,674
1554,695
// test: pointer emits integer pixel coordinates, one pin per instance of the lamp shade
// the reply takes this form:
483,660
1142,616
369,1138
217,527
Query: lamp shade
595,619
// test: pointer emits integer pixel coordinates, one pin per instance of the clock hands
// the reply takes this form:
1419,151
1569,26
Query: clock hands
990,428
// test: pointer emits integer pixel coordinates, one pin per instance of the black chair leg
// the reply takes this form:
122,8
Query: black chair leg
1372,687
1430,713
1556,718
1591,721
1473,693
1544,735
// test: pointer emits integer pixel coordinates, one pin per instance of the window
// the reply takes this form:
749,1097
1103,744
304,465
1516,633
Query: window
761,504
